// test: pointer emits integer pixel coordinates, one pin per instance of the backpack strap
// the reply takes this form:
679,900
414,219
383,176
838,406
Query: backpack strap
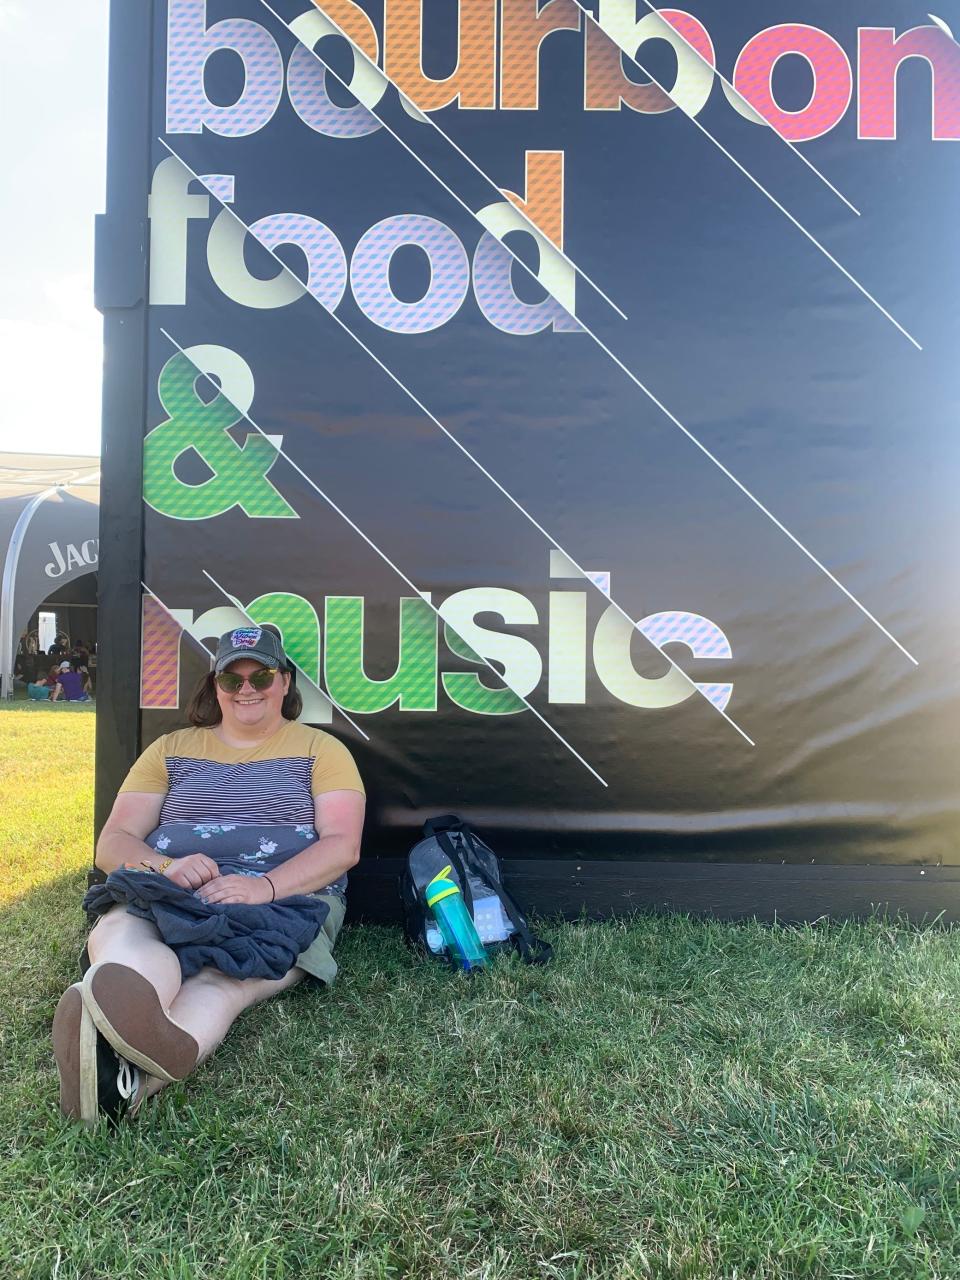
533,950
450,851
445,822
537,951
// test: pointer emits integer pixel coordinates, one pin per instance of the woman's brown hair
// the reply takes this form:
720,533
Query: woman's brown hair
203,709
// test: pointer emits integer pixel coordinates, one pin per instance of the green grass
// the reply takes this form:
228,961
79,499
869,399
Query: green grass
668,1098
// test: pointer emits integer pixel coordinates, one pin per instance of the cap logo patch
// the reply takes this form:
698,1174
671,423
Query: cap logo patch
245,637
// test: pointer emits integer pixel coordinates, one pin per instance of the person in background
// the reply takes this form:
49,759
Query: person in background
71,686
53,672
80,660
31,666
26,666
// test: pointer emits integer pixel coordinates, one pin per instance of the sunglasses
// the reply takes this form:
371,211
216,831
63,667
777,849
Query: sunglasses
230,682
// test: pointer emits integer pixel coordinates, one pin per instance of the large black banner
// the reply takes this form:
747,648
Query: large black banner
576,387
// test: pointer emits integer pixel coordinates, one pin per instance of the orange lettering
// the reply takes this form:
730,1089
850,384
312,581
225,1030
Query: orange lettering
605,84
354,23
524,30
473,80
544,187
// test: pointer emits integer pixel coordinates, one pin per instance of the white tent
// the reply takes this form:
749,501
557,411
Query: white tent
49,536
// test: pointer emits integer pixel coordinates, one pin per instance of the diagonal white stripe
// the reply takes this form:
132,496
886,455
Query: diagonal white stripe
190,636
386,559
583,573
773,200
240,609
633,378
757,503
453,439
422,596
358,53
532,226
733,89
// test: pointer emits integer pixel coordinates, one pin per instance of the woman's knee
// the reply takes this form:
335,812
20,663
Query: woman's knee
117,927
107,927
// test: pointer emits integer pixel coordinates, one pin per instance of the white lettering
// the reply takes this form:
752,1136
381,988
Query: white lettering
63,562
58,565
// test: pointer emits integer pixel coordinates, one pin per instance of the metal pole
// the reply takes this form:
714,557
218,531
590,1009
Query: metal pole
121,295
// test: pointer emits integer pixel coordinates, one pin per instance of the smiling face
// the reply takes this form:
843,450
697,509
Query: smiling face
251,708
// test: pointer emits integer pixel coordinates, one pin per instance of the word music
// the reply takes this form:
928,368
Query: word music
579,657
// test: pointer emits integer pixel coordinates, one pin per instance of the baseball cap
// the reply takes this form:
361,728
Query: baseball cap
258,643
64,666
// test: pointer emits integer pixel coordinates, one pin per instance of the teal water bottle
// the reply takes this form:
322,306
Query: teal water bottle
455,922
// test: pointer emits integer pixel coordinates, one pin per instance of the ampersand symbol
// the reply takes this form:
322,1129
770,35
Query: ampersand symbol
239,471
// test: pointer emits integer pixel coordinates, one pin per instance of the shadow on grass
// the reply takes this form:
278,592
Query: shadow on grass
44,931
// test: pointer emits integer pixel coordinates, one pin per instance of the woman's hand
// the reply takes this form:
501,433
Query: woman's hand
193,871
249,889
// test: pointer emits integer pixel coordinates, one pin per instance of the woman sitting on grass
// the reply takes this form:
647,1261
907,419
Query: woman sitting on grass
226,851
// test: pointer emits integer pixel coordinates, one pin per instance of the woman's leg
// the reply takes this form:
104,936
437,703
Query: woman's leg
129,989
122,938
209,1003
133,949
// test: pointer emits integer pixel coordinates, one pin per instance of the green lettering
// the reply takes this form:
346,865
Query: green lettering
466,689
413,684
239,471
299,626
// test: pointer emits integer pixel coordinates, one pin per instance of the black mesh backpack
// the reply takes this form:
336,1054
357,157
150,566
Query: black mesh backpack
476,869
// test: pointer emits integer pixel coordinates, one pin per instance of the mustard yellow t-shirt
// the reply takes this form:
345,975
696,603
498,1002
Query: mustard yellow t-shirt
252,806
317,760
